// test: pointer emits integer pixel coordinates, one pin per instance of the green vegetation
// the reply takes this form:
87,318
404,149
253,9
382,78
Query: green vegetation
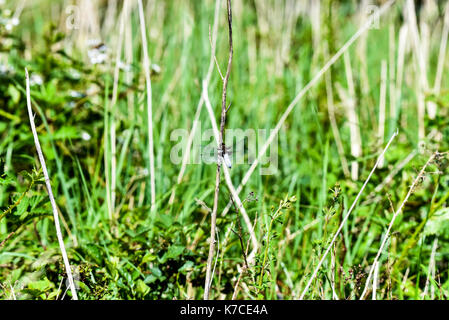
94,132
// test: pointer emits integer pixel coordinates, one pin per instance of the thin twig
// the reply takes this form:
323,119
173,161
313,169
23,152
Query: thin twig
243,270
375,279
59,288
228,180
223,150
239,233
6,239
50,192
216,258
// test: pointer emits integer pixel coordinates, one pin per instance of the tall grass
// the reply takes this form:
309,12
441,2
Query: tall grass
329,86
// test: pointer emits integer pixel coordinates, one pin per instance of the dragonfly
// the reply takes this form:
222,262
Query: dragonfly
211,154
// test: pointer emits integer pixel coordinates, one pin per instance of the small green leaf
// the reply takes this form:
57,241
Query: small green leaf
172,253
438,223
41,285
142,288
15,94
188,266
149,257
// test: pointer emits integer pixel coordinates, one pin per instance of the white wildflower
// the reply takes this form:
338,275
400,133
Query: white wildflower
76,94
85,136
124,66
97,53
10,23
36,80
96,56
75,74
156,68
5,69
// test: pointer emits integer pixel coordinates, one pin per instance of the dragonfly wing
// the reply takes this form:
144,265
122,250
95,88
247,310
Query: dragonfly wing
209,155
239,152
227,160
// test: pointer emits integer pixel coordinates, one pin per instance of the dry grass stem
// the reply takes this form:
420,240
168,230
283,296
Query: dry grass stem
146,66
50,192
220,145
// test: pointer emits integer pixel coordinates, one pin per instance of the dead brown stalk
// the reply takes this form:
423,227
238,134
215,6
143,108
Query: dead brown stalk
224,111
